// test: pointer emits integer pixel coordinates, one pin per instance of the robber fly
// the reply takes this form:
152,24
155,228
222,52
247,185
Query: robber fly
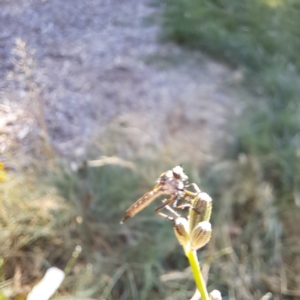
170,183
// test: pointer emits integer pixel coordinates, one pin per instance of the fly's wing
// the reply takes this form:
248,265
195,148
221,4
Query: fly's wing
143,202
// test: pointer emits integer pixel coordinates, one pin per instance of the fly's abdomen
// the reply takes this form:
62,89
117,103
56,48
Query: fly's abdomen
142,202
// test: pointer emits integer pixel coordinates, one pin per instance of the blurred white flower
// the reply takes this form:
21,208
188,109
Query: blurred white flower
48,285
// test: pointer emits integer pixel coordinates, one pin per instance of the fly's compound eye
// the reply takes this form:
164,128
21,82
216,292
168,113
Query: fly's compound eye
179,174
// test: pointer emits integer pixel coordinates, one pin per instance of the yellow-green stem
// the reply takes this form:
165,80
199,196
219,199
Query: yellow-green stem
199,280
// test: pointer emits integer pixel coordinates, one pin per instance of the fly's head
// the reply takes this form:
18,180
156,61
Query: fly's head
175,174
172,181
179,174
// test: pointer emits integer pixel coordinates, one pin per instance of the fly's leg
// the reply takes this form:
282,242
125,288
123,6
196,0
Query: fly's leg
172,211
192,197
183,206
195,186
175,203
188,196
165,204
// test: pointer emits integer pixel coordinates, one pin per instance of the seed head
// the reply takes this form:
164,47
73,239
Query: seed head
181,231
201,209
200,235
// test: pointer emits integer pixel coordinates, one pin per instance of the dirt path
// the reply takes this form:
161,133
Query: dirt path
98,63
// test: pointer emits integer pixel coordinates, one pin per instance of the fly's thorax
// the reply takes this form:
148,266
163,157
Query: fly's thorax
179,185
173,186
165,176
172,181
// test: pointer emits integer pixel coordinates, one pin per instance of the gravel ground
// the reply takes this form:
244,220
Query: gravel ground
97,64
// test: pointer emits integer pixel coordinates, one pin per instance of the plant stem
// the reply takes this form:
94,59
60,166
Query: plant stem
199,280
72,260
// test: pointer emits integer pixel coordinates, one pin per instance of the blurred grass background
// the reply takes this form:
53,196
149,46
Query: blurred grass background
46,211
261,40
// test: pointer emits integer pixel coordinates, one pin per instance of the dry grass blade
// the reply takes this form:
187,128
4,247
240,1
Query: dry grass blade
113,160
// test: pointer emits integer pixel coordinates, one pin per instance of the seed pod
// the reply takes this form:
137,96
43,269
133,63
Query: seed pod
181,231
200,235
201,209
